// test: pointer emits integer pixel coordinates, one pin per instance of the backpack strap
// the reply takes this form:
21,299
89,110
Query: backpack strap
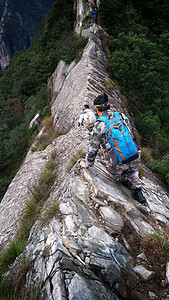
115,115
102,119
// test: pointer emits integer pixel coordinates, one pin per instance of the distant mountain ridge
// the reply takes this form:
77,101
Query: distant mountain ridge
18,25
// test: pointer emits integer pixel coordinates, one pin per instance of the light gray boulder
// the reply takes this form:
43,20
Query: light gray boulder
143,272
35,121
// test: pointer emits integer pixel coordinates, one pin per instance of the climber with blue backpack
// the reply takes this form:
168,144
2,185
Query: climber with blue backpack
95,16
112,133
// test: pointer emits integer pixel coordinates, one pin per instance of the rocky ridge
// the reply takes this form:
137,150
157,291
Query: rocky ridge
90,249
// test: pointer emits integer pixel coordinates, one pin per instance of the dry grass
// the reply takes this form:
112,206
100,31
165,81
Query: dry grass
75,158
108,84
146,155
40,194
156,249
51,211
12,287
117,85
20,277
104,38
123,97
79,55
141,171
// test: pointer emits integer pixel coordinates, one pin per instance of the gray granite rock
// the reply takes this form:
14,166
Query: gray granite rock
75,255
112,218
82,289
143,272
167,272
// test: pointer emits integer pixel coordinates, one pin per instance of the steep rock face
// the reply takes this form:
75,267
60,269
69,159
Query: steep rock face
18,26
83,8
85,251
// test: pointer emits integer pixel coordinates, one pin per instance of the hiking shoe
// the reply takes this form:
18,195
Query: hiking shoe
138,195
126,183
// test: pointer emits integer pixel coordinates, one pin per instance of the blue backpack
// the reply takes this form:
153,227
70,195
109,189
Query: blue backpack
120,139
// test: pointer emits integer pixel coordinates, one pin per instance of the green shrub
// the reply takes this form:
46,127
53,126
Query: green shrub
140,68
149,126
163,240
15,248
161,167
113,16
38,103
51,211
4,182
40,194
156,249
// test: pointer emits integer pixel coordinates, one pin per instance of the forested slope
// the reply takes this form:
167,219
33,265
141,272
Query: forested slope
23,89
138,62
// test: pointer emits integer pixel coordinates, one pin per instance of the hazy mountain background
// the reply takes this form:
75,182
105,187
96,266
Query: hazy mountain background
19,23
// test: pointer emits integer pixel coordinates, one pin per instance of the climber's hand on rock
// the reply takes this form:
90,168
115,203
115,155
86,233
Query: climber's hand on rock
102,149
82,164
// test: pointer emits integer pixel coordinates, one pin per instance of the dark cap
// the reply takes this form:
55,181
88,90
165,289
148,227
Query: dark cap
101,102
86,106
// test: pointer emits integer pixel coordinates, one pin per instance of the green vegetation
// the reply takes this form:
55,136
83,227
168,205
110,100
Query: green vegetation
20,22
12,288
23,87
40,194
163,239
51,211
9,255
75,158
156,249
138,62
